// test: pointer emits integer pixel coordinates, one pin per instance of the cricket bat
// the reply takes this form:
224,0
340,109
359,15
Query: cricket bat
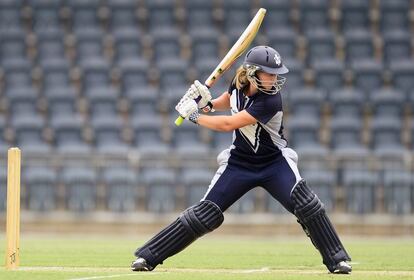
235,52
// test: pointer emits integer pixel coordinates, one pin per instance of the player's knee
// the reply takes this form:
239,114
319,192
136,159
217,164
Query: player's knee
202,218
306,203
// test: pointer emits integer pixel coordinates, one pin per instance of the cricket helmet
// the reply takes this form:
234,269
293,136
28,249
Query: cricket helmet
268,60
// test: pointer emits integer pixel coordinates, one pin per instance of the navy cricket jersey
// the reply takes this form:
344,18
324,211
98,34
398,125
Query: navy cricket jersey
261,143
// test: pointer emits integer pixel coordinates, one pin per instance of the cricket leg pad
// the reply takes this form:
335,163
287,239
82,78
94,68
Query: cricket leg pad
311,215
193,223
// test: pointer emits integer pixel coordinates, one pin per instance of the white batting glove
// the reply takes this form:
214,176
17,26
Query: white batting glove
192,93
187,108
204,92
200,92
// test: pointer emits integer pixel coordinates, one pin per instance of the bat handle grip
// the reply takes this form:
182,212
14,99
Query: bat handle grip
180,119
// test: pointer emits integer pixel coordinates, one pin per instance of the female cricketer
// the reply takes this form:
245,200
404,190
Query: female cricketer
258,156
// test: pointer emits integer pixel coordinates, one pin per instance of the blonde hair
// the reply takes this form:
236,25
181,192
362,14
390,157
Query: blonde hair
240,80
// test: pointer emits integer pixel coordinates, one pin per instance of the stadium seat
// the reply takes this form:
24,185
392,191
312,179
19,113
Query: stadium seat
203,70
80,184
13,43
10,14
323,183
320,45
412,133
40,183
121,188
398,189
127,44
68,135
295,78
95,73
237,15
199,14
196,181
359,45
89,43
360,188
3,188
101,79
29,135
401,75
397,45
4,145
170,98
102,102
161,13
45,14
123,14
367,75
173,73
22,102
347,103
346,138
205,44
388,103
84,13
165,44
148,137
50,44
354,14
278,13
306,102
55,73
187,140
386,138
108,135
134,74
394,15
313,14
329,74
61,102
304,136
284,40
143,101
160,186
17,73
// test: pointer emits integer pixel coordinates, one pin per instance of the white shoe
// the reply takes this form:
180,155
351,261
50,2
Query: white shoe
343,267
140,264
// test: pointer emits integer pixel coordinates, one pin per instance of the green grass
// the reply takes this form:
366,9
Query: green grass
51,257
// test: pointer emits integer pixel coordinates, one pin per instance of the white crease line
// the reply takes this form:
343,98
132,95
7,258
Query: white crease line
209,270
263,269
113,276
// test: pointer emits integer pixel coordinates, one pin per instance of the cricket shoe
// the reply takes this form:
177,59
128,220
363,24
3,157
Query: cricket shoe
343,268
140,264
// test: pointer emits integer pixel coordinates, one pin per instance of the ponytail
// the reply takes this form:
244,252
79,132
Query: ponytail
240,79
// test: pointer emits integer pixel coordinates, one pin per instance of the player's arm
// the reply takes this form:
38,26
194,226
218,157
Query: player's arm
188,109
227,123
201,93
222,102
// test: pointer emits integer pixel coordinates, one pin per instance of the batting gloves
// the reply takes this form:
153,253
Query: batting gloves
188,109
201,95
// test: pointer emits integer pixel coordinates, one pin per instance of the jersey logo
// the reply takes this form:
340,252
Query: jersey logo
251,134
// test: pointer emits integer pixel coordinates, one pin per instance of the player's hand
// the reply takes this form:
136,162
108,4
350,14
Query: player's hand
191,93
204,92
188,109
201,94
